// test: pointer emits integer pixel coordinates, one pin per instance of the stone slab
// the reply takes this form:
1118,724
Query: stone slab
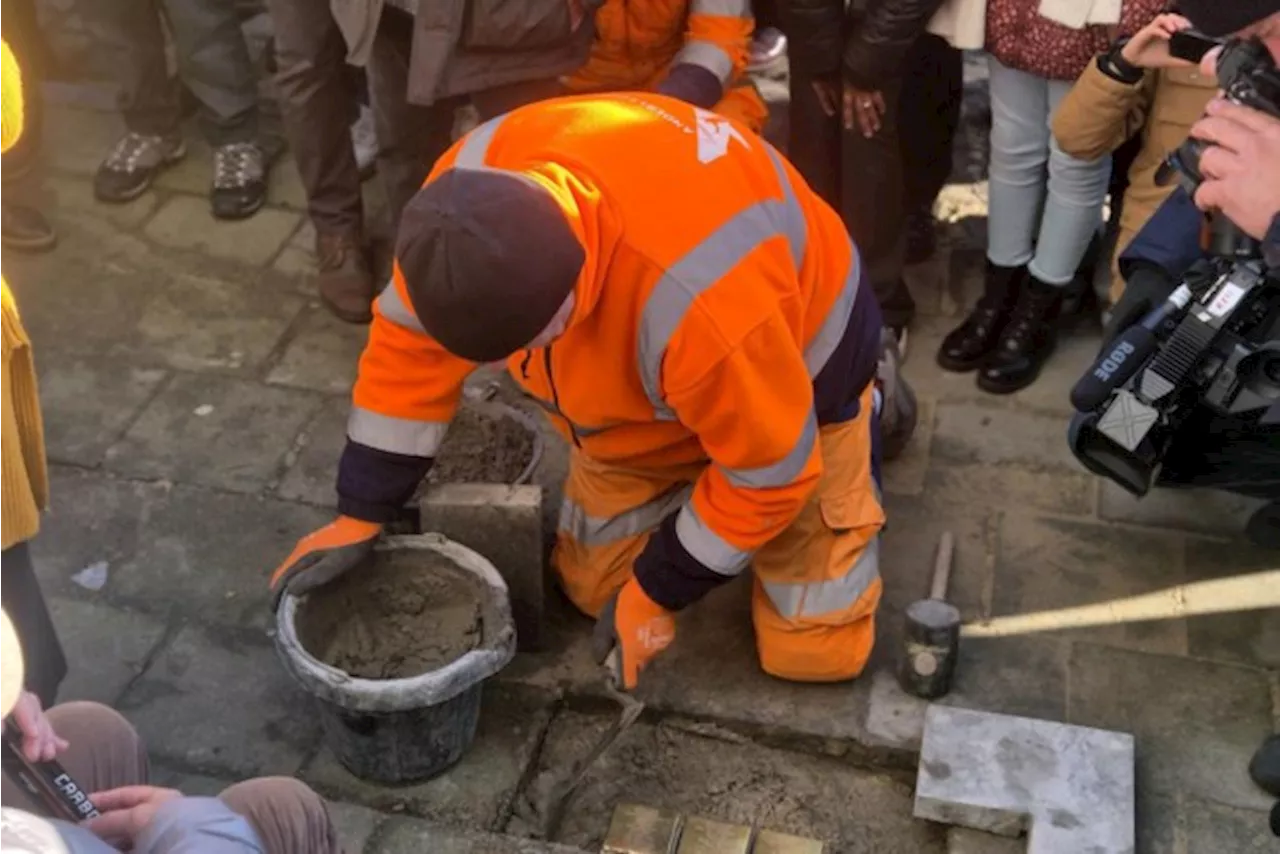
84,138
909,548
1011,488
636,829
1197,722
895,719
478,791
996,435
730,780
1048,563
1070,787
413,836
185,222
106,647
214,431
312,463
87,404
503,523
218,701
905,474
1213,827
321,355
77,194
1207,511
1027,676
704,836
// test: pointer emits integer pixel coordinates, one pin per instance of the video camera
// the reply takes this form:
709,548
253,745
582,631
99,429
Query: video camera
1214,342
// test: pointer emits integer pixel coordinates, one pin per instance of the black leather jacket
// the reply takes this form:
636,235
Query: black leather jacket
867,42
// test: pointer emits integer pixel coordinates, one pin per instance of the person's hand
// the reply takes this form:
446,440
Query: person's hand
1149,47
323,555
39,742
853,105
125,812
632,629
1242,166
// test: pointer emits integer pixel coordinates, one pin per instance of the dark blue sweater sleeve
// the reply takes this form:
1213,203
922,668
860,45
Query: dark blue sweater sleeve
1170,240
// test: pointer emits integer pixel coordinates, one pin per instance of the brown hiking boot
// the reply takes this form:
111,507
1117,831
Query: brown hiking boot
345,281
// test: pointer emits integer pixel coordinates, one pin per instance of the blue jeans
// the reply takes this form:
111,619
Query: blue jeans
1044,205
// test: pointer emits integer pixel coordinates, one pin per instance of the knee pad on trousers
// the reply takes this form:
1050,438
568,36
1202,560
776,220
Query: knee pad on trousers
814,652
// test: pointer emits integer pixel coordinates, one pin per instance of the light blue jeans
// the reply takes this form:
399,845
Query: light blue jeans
1049,232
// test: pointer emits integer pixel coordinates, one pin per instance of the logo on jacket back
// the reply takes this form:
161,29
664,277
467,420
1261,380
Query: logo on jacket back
714,134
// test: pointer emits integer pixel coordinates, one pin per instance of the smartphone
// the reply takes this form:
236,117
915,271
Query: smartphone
1191,45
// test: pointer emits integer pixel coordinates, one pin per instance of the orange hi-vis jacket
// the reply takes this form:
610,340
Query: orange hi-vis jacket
720,314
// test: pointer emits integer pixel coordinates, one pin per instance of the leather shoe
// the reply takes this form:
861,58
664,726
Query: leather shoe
345,281
968,345
1027,341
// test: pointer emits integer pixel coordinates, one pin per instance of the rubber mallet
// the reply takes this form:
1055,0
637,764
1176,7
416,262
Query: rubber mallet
931,637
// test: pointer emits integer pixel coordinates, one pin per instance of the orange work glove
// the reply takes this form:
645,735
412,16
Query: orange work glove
323,555
632,629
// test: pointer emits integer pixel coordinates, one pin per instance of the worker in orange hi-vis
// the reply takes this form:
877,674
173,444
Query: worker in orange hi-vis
693,319
694,50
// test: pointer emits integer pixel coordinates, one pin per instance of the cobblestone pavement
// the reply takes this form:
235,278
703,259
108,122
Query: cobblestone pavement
187,370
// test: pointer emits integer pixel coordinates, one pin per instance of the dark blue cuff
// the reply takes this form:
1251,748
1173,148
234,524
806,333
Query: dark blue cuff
373,485
669,575
692,84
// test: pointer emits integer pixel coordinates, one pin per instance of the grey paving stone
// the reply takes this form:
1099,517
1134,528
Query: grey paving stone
1205,510
735,781
185,222
84,138
77,194
219,323
295,262
962,840
1023,676
928,282
228,433
284,186
504,524
1049,563
1213,827
413,836
909,548
476,791
322,354
895,719
313,462
355,825
199,552
1197,722
905,475
220,702
994,435
1159,821
1071,788
106,647
1062,492
1248,637
88,403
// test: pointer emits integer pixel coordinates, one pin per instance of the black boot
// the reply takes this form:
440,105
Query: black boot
1027,341
968,345
1265,766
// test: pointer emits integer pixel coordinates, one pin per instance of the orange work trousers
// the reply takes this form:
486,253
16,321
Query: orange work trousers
816,586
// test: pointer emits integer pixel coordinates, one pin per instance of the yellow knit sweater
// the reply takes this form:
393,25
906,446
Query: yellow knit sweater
24,481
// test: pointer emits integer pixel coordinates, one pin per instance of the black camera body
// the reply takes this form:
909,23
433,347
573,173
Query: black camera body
1214,342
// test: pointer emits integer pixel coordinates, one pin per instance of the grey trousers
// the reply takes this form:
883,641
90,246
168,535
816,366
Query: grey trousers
213,63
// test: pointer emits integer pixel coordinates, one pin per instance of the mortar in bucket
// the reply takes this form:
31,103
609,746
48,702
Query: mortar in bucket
399,700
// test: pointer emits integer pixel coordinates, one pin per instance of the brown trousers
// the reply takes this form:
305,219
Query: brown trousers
106,752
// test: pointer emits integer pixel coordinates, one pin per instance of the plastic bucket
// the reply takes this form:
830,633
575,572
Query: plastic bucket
401,730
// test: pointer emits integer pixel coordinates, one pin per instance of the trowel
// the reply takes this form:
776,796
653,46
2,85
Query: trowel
560,794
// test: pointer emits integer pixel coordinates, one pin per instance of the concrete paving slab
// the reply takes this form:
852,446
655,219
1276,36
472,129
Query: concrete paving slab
356,825
1208,511
664,767
962,840
185,222
218,701
413,836
992,434
313,461
895,719
76,194
1050,563
905,474
1213,827
1021,676
1010,488
226,433
213,322
503,523
1160,824
106,647
478,791
84,138
1197,722
1248,637
909,548
1071,788
927,281
87,404
322,354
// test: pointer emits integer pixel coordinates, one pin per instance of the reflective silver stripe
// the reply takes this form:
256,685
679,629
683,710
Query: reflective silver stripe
836,322
722,8
397,435
475,147
793,222
784,470
710,56
708,547
817,598
393,308
603,531
700,268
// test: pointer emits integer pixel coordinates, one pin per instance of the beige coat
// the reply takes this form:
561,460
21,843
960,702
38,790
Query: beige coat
466,46
1100,113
